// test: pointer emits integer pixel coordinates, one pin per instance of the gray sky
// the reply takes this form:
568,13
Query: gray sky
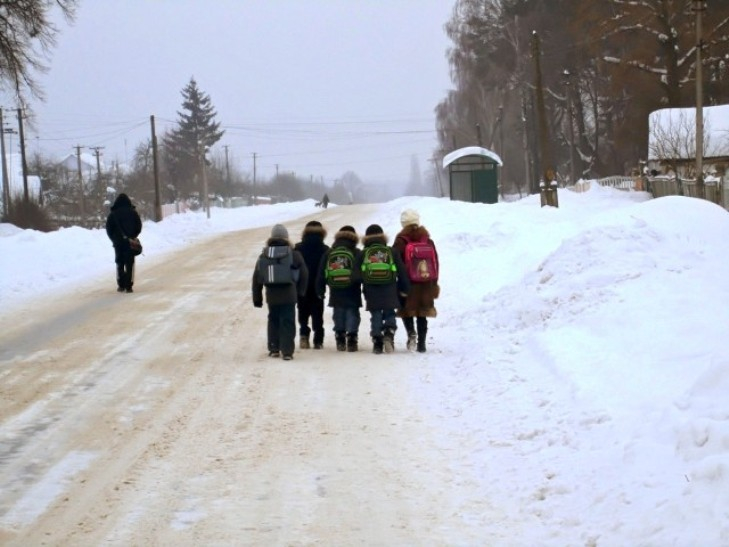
317,87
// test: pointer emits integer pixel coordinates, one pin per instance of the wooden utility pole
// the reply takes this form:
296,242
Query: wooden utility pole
155,163
6,182
82,205
227,171
254,178
26,195
548,185
97,153
204,173
699,6
571,116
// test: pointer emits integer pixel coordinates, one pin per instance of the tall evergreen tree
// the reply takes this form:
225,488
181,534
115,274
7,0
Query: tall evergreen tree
185,146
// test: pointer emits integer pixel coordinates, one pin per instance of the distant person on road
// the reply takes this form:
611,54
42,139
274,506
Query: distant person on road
310,306
282,272
123,224
337,272
325,201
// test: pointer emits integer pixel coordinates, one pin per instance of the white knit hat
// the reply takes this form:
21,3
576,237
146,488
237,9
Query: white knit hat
279,232
408,217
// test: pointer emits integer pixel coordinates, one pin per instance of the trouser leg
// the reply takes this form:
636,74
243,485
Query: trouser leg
422,328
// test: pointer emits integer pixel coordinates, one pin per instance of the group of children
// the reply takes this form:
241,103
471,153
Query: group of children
397,281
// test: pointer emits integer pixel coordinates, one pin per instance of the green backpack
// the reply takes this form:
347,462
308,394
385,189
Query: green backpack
378,266
339,267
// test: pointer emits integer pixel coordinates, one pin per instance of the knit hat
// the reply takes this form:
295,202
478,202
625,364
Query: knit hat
408,217
313,224
279,231
373,229
347,228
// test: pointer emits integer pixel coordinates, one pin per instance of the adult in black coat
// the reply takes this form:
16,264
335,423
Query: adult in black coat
310,306
122,224
345,301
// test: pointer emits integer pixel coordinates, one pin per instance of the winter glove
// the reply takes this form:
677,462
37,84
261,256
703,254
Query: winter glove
436,290
257,304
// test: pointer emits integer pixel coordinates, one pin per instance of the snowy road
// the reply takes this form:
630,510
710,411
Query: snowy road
157,419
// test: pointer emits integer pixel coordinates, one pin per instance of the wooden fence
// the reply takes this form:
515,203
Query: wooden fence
713,191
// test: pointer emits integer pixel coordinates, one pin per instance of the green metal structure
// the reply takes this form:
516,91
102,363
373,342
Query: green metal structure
473,174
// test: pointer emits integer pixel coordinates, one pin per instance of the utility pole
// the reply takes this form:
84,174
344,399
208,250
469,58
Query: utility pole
97,153
6,182
155,163
548,186
571,116
478,135
204,172
82,207
254,179
26,196
699,6
227,171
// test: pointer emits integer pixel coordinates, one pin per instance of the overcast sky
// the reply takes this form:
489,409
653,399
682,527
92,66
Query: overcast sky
315,87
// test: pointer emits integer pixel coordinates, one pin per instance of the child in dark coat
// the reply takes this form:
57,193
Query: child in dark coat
312,248
344,301
383,299
123,224
281,298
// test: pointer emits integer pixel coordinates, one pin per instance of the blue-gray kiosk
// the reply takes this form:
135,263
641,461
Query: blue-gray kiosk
473,173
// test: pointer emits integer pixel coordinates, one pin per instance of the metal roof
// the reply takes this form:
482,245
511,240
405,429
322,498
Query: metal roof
471,151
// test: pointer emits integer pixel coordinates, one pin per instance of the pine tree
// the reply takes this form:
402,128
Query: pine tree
196,132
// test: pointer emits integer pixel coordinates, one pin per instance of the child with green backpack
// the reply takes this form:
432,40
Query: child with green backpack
337,273
384,281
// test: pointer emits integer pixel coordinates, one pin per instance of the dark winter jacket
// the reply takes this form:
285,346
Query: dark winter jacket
123,222
347,297
280,294
421,298
384,296
312,248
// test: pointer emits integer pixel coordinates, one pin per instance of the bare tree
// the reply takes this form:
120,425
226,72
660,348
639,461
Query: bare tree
27,35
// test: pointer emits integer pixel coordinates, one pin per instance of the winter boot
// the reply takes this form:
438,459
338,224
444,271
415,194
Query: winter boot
422,331
412,341
352,341
409,323
318,339
377,344
340,340
304,342
389,340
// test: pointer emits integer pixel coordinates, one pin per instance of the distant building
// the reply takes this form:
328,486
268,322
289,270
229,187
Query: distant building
14,164
672,140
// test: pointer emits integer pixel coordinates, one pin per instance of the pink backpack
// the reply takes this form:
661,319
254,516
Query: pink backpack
421,261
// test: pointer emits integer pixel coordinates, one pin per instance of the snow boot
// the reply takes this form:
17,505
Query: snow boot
377,344
352,341
412,342
304,342
389,340
318,339
340,340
